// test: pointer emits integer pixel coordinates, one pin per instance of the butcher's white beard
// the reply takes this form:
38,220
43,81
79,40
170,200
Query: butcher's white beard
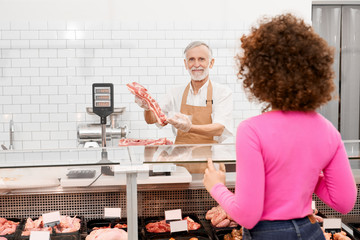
198,76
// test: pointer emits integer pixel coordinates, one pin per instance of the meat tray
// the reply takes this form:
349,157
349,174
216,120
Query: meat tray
58,236
189,236
101,222
219,233
356,229
200,233
352,237
17,230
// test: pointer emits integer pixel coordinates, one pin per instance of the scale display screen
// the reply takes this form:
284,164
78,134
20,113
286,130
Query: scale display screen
103,99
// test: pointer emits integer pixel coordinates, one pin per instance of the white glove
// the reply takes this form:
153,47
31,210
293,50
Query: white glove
181,121
142,103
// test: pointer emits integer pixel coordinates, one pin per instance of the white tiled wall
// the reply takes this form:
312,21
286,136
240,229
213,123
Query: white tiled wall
47,69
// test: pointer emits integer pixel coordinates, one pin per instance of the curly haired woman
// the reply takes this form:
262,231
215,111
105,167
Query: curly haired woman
288,152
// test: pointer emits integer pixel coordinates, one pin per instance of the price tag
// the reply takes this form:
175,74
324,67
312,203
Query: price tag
347,229
178,226
112,213
164,168
39,235
332,223
313,207
172,215
51,219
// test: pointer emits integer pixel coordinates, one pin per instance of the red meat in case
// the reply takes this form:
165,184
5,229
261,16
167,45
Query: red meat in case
158,227
134,142
162,226
138,90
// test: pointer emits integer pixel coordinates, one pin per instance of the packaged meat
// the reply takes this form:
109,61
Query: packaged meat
140,91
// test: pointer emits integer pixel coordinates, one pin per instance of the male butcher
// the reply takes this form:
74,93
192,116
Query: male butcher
203,108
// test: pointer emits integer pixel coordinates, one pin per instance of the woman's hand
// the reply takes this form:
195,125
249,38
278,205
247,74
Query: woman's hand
212,176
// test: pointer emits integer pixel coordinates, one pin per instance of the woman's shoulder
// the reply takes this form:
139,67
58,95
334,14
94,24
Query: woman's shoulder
280,116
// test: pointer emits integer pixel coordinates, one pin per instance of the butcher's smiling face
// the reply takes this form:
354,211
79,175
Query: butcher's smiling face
197,62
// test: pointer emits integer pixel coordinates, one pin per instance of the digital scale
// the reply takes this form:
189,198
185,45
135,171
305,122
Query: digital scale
103,106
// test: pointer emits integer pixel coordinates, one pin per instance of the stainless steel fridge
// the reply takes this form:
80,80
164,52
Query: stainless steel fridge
340,26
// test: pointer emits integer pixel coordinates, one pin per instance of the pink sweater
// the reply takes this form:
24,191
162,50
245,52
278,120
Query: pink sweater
280,157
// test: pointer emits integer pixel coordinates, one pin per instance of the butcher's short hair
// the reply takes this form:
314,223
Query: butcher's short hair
196,44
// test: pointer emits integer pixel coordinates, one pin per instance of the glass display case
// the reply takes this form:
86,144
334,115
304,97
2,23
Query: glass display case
65,169
128,166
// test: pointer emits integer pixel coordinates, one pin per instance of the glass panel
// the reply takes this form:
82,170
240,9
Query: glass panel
326,22
183,153
64,157
350,73
80,158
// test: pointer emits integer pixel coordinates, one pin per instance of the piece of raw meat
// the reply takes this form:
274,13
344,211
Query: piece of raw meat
138,90
219,218
108,234
163,226
7,226
67,225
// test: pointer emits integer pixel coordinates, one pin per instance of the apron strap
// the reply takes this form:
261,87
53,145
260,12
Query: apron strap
209,100
184,97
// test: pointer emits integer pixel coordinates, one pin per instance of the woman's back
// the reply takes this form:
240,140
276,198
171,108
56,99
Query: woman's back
296,147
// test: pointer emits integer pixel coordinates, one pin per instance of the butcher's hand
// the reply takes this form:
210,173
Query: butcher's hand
142,103
213,176
181,121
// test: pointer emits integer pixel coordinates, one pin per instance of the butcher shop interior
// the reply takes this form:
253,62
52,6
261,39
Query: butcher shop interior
118,119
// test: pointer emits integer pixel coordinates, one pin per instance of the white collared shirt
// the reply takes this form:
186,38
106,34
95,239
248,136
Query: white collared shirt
222,107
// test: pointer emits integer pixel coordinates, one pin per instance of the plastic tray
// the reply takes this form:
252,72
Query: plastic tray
219,233
59,236
347,233
17,230
104,223
185,237
199,233
356,229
